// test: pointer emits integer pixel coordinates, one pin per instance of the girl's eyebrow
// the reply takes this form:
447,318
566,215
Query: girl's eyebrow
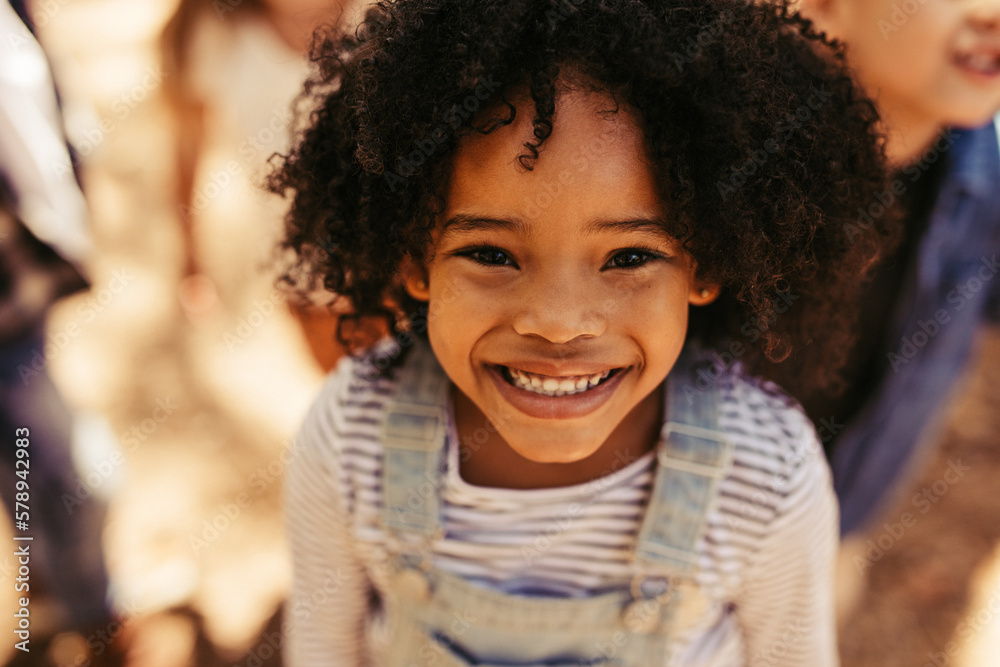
645,225
464,223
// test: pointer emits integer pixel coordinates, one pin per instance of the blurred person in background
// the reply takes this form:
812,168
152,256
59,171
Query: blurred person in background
44,243
933,70
233,69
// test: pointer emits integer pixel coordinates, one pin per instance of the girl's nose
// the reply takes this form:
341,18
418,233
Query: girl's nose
986,14
560,312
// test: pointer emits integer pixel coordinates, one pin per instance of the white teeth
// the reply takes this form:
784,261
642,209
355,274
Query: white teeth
981,62
549,386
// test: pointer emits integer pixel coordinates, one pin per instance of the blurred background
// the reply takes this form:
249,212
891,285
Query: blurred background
188,372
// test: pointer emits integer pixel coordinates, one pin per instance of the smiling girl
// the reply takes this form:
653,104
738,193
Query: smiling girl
545,463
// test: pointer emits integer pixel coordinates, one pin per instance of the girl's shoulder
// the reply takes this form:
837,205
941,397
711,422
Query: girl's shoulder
353,396
361,381
777,494
767,427
339,441
372,368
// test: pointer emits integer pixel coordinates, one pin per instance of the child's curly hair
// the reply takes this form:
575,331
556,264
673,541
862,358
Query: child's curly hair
762,146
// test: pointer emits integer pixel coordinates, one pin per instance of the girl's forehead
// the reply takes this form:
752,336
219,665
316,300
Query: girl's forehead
584,118
594,165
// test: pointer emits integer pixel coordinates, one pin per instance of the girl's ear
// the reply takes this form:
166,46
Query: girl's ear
702,294
415,279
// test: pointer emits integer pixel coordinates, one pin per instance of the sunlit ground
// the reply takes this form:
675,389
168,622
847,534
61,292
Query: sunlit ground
202,409
932,594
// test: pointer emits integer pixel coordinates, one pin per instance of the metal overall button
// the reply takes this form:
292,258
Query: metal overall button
413,585
643,615
410,579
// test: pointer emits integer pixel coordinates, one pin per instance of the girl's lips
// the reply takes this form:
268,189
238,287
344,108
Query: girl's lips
981,64
570,406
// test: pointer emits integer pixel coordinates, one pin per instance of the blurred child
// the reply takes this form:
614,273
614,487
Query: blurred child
570,204
233,70
933,69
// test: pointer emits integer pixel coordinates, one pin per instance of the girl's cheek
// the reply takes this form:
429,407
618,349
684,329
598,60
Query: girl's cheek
457,301
476,285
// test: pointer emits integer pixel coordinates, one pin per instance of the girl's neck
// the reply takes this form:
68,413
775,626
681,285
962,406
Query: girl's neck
494,464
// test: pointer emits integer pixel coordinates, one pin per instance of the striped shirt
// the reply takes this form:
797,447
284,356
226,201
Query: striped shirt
765,556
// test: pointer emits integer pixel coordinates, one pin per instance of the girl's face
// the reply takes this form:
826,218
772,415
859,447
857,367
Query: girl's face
556,302
933,59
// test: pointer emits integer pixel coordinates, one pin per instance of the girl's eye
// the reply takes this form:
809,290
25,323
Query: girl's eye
631,259
487,256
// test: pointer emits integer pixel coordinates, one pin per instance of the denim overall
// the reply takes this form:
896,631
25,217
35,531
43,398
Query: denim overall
436,618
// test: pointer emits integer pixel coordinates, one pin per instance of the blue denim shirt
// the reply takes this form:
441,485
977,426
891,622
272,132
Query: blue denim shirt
951,288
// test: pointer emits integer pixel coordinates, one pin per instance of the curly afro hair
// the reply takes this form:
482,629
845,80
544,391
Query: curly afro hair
762,146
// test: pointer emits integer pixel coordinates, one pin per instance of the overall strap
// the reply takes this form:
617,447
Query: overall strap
413,436
693,455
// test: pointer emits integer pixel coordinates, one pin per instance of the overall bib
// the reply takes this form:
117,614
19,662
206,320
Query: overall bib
437,618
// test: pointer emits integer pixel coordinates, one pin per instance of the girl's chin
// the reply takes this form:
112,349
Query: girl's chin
555,450
971,108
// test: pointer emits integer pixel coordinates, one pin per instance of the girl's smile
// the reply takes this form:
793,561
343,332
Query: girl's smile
982,62
560,385
556,397
557,302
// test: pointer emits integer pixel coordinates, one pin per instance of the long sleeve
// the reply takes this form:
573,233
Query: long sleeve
325,613
786,607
